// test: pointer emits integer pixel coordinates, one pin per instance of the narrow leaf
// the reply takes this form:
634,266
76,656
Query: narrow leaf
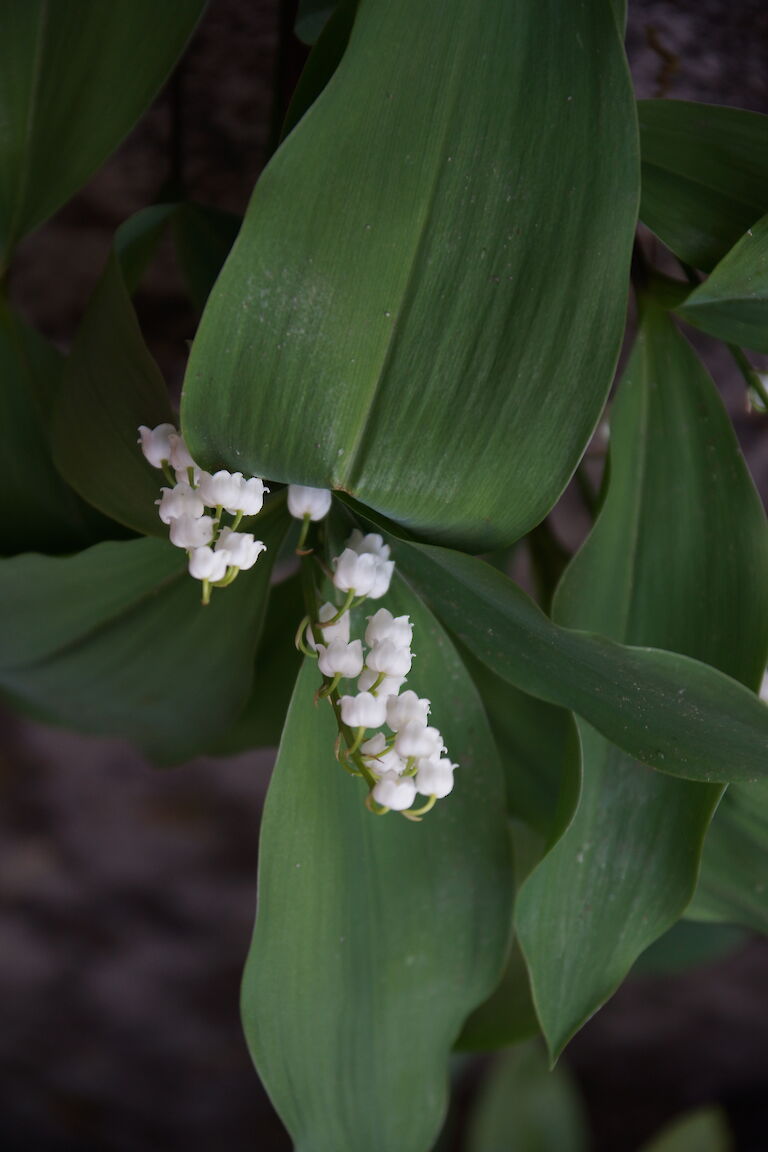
375,937
384,322
71,86
704,176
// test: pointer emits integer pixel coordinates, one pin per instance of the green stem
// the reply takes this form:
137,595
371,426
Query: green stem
168,473
303,534
344,608
206,592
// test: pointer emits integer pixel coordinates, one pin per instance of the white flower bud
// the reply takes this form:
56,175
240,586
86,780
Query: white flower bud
180,458
339,658
374,745
221,488
395,792
251,498
382,578
337,631
414,739
179,501
355,573
434,777
363,711
156,443
240,548
372,543
388,658
390,685
205,564
402,710
384,626
312,502
191,532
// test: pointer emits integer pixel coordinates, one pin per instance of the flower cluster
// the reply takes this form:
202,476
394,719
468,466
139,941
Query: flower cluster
389,740
216,550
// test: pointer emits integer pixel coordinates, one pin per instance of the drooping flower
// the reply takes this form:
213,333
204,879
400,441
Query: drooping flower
312,502
382,578
384,626
156,443
205,564
337,631
340,659
251,496
434,777
389,658
222,489
180,457
414,739
402,710
389,686
363,710
372,543
354,572
192,531
395,792
240,548
181,500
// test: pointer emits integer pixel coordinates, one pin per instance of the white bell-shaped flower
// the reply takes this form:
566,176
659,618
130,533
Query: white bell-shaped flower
434,777
221,489
312,502
180,457
372,543
337,631
181,500
251,496
156,443
395,792
363,710
205,564
355,573
414,739
389,686
384,626
374,745
191,531
240,548
340,659
382,578
402,710
389,658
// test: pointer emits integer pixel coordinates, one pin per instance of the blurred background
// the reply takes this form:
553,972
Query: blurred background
127,894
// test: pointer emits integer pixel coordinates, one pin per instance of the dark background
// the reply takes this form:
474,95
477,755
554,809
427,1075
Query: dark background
127,894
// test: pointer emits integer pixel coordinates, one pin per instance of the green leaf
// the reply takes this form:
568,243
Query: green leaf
732,887
668,711
453,212
114,641
704,176
311,18
732,303
375,937
680,503
111,386
38,508
203,238
74,78
525,1107
704,1130
323,61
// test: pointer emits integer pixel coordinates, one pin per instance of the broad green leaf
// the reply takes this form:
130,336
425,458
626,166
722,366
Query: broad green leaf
732,303
689,945
704,176
114,641
673,713
375,937
704,1130
525,1107
276,667
203,238
74,78
507,1016
38,508
111,386
323,60
311,18
680,503
733,886
453,211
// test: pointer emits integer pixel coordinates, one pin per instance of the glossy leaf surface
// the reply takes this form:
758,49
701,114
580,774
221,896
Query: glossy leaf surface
704,176
111,386
375,937
385,322
38,508
677,559
732,303
74,78
114,641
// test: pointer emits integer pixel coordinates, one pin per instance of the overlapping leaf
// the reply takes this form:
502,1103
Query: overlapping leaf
704,176
38,509
732,303
374,937
114,641
677,558
438,227
74,77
